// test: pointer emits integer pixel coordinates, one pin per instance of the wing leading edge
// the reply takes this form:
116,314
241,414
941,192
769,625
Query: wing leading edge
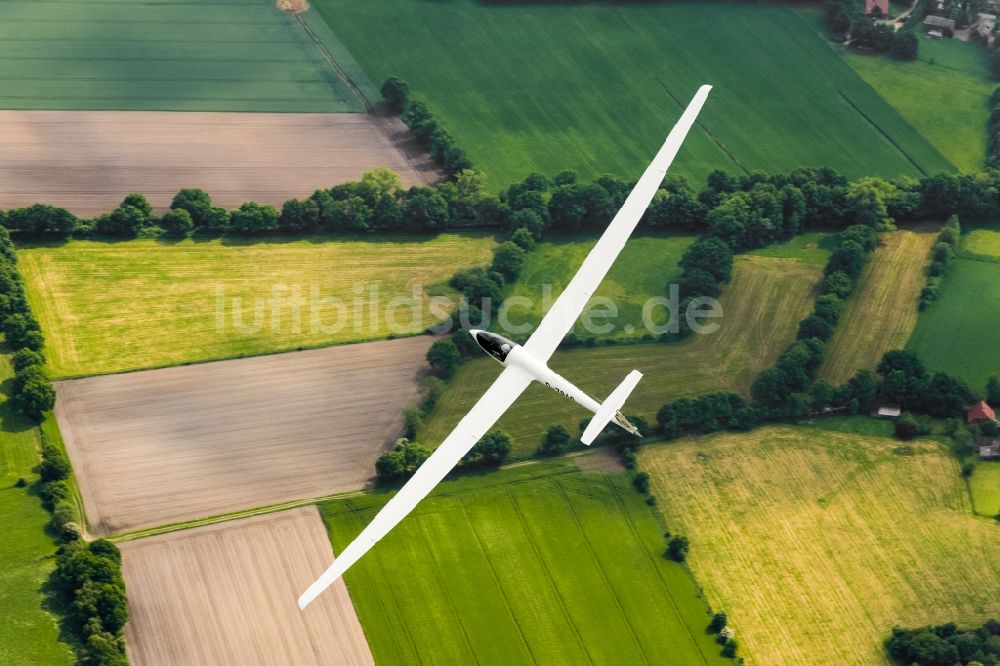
497,399
567,308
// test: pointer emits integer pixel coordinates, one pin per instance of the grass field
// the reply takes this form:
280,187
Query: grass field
643,270
595,87
881,313
762,307
985,484
957,333
95,300
944,95
816,543
28,634
171,56
542,564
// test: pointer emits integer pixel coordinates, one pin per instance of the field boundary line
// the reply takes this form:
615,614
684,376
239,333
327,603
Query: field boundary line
885,134
228,517
340,71
659,574
707,131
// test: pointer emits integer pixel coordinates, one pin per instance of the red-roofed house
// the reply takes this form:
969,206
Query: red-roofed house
880,7
980,412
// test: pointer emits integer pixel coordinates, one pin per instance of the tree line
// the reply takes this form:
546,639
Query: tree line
434,139
31,390
947,645
942,256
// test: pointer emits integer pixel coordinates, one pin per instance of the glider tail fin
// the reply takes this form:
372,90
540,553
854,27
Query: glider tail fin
609,410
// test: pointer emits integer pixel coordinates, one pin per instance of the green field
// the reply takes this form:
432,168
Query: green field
761,310
171,56
595,87
643,270
542,565
28,634
108,307
812,248
817,543
967,310
985,484
944,95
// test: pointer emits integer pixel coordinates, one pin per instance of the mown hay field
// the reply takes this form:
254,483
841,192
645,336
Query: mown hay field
816,543
225,594
882,312
957,333
109,307
985,485
29,633
541,564
172,56
165,446
596,87
761,310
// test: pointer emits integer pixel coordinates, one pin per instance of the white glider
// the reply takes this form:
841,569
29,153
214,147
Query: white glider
528,363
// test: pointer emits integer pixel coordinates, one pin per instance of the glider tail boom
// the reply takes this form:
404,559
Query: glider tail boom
610,410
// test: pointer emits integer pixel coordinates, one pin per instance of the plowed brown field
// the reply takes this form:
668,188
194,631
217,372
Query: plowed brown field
87,161
225,594
164,446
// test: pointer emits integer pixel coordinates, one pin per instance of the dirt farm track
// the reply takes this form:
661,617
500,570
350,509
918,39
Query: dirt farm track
225,594
165,446
87,161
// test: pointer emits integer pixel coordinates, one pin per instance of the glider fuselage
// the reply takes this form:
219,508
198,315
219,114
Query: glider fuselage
507,352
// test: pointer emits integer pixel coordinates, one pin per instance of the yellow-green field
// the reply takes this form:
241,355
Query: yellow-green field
985,485
28,634
882,312
109,307
762,307
817,542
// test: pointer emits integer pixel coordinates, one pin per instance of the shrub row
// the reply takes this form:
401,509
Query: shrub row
946,645
89,579
942,255
784,389
402,461
31,391
425,127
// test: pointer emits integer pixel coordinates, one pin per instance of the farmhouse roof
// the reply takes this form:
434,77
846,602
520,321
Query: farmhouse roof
888,411
882,6
980,412
939,22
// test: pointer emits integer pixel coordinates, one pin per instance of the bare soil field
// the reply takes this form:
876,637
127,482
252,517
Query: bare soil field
225,594
87,161
165,446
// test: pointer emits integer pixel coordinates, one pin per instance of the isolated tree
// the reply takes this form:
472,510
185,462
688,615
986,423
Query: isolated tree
396,91
401,462
444,357
508,260
677,548
490,451
177,222
718,623
555,440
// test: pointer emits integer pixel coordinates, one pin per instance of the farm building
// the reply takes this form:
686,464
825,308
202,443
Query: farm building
980,412
887,412
989,447
940,24
877,7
